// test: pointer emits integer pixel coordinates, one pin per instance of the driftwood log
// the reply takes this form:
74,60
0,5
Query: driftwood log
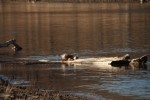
16,47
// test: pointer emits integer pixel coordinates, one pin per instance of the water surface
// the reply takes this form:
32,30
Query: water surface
89,30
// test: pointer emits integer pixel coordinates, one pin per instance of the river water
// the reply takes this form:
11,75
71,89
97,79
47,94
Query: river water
46,30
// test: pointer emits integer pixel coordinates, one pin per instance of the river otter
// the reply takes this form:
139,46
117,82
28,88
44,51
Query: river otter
139,61
126,57
68,57
125,61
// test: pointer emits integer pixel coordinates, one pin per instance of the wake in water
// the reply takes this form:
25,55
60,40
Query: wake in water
103,62
92,60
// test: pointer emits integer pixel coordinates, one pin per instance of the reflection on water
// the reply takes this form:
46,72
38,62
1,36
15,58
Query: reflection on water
82,28
91,29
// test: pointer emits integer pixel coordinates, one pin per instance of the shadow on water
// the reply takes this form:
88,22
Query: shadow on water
89,30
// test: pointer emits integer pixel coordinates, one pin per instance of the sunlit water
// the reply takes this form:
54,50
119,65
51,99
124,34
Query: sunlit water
92,31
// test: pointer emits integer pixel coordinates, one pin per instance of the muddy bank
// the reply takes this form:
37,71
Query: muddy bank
13,92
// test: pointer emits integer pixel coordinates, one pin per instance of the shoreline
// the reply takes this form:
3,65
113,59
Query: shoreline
13,92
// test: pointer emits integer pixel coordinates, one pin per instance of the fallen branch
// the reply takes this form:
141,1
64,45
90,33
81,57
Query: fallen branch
15,47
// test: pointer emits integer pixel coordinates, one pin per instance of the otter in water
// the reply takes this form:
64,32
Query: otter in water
68,57
125,61
139,61
126,57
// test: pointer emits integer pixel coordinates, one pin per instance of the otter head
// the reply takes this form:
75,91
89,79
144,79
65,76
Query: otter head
75,57
126,57
143,59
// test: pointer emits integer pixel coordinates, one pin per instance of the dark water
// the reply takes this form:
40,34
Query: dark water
92,29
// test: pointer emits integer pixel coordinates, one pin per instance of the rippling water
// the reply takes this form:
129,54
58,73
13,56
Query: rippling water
89,30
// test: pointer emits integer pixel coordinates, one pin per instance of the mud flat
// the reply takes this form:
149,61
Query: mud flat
13,92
